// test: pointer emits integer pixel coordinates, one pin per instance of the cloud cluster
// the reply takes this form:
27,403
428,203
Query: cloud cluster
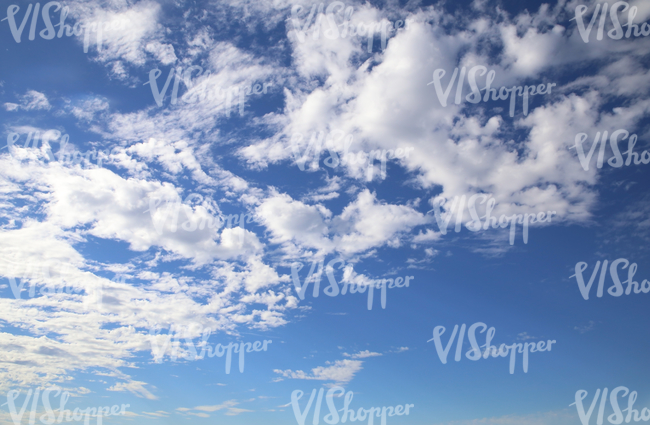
229,278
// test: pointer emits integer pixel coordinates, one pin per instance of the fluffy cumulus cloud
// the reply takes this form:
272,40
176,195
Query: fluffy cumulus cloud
364,224
465,149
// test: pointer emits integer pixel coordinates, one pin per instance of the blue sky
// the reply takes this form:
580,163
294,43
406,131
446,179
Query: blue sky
108,234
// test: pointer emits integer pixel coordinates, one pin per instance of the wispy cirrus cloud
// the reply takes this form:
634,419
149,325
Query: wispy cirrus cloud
202,411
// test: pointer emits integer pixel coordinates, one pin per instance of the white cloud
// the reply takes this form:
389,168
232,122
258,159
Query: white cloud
229,406
367,223
291,220
87,109
32,100
340,372
74,203
429,235
363,224
362,354
129,33
381,99
158,414
136,387
389,105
